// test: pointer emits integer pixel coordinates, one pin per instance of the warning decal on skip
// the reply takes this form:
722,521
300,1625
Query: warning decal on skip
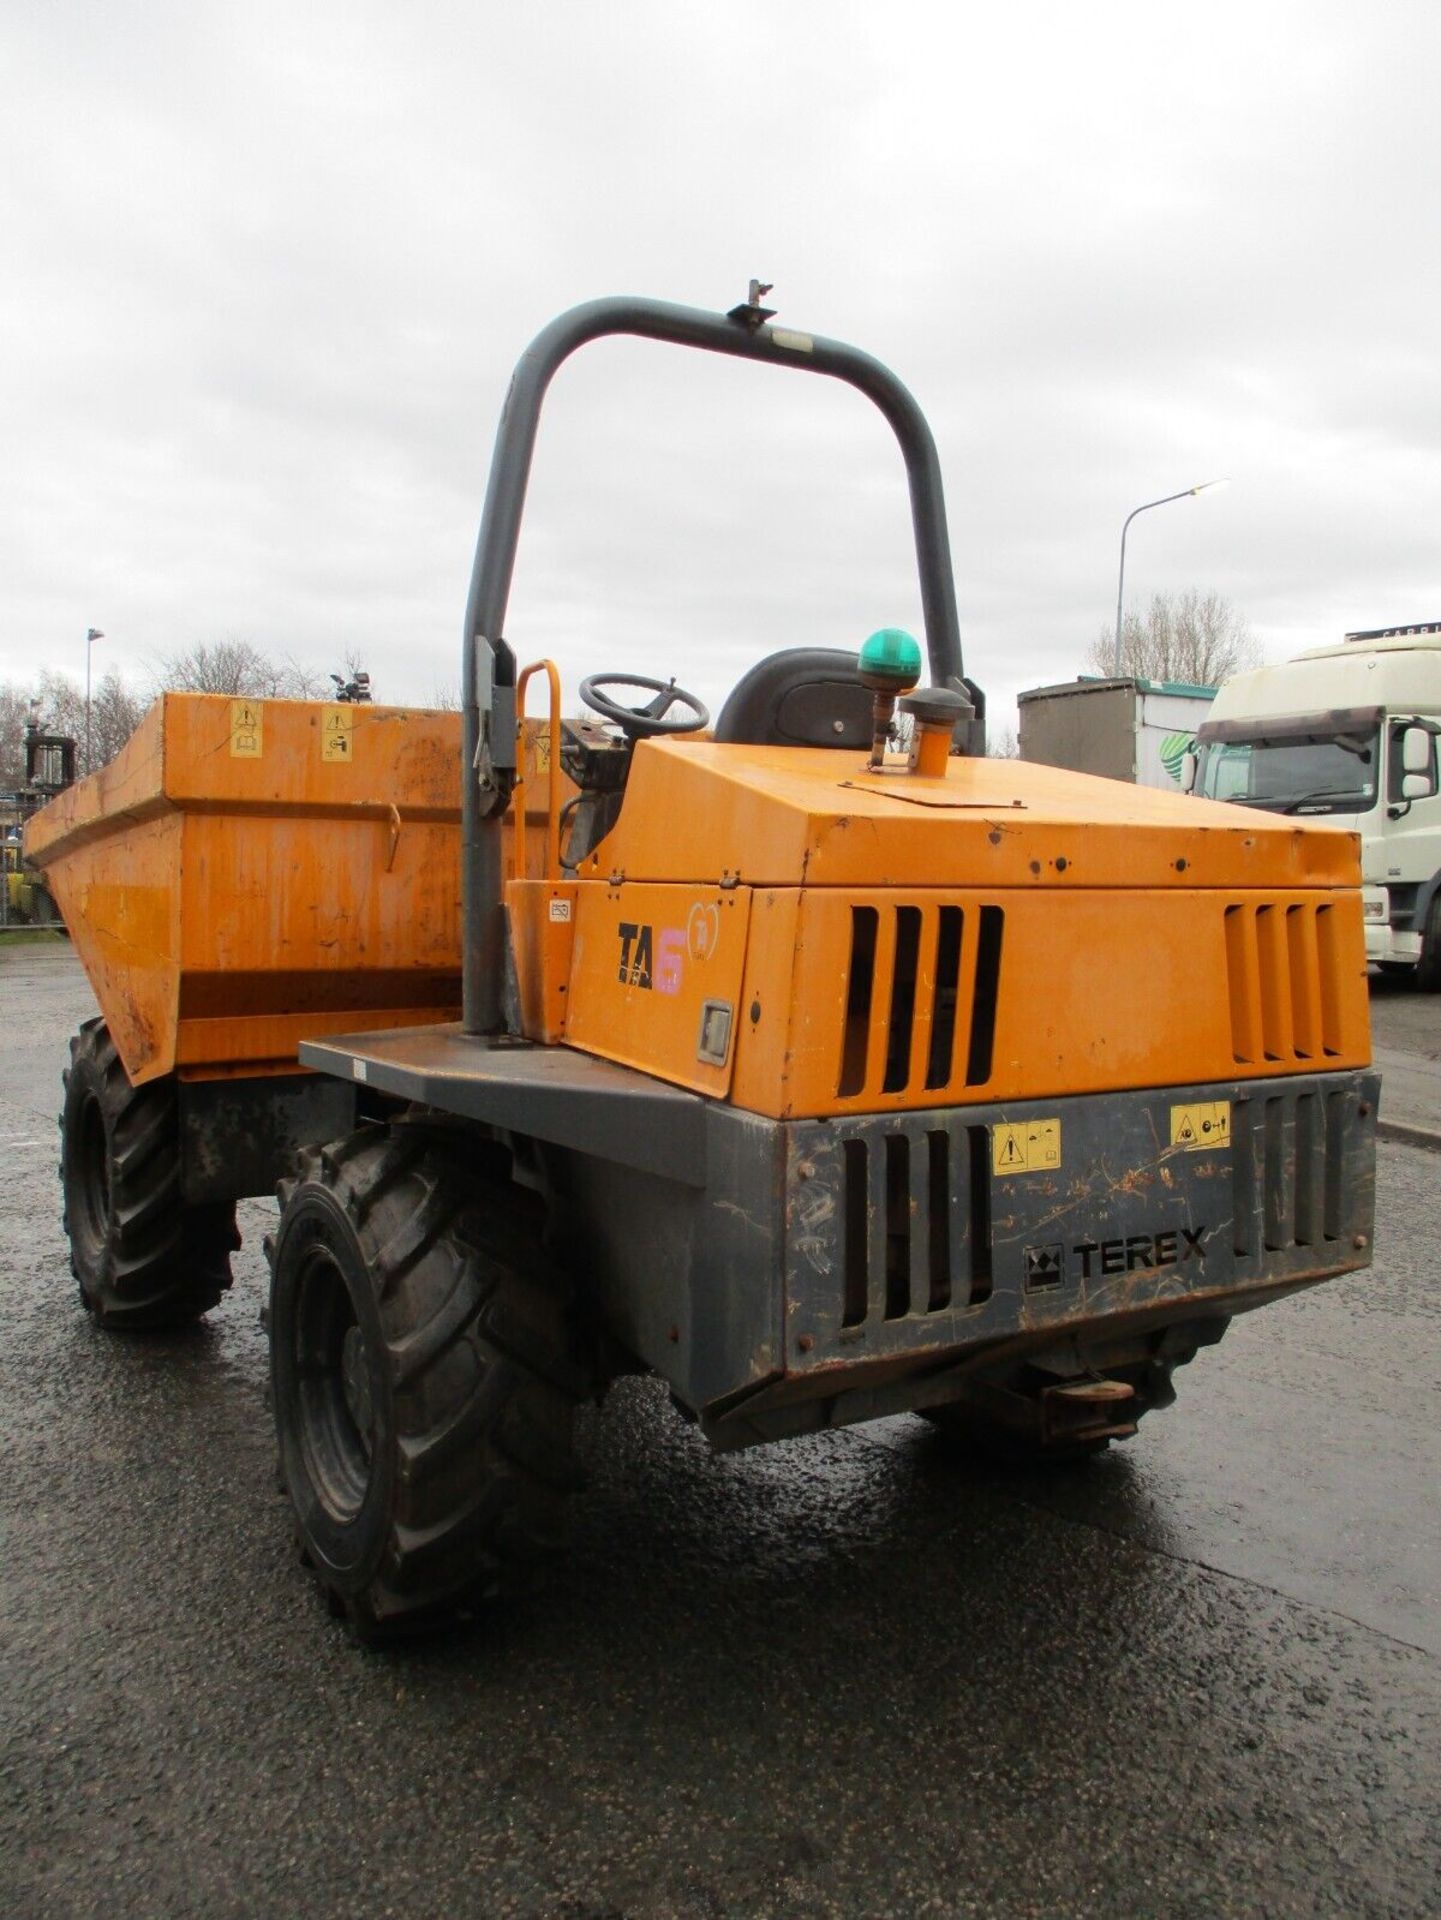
247,730
336,727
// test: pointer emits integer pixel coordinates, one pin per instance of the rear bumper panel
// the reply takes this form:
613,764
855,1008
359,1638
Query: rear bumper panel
917,1254
947,1230
787,1273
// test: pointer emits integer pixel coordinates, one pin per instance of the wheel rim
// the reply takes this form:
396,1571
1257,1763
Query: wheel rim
335,1390
92,1155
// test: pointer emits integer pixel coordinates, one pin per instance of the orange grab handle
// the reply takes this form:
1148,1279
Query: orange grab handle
552,820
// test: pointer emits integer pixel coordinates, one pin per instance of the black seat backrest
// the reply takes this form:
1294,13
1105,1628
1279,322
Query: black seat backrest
803,697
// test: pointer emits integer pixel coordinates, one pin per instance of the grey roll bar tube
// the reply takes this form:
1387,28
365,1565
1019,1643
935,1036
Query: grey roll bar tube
488,675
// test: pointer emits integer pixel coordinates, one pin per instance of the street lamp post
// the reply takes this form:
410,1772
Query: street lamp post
1206,486
91,637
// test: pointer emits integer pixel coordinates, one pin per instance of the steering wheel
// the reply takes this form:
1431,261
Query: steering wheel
639,723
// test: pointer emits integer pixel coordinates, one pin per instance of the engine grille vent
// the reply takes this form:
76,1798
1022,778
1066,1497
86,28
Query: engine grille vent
917,1223
1283,975
1288,1170
921,992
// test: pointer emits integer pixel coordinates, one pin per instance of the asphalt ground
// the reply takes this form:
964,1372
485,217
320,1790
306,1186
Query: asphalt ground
858,1674
1406,1044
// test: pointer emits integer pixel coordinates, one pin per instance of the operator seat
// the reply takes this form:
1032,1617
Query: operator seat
801,697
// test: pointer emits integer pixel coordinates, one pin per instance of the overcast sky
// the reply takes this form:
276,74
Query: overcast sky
264,271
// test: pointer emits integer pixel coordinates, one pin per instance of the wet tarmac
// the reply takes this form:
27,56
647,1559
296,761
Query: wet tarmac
851,1675
1406,1046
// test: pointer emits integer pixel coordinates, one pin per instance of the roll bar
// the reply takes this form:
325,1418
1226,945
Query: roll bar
488,679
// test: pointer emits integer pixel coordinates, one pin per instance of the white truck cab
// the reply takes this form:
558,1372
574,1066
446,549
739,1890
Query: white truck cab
1349,733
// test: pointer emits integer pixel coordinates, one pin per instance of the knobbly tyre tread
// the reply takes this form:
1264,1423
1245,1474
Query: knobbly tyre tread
143,1259
1428,967
471,1457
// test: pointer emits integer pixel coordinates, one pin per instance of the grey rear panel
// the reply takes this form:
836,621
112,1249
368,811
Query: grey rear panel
858,1264
875,1262
911,1233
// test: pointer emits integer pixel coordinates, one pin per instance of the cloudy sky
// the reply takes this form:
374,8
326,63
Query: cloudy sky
264,271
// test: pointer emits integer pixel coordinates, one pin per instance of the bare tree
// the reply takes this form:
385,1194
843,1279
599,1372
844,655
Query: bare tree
238,666
14,711
116,710
226,666
1003,746
295,682
1197,638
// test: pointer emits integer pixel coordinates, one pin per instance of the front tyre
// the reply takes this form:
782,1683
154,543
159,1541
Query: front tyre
424,1384
144,1259
1428,968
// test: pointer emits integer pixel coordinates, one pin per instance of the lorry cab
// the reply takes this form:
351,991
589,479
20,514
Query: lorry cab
1347,735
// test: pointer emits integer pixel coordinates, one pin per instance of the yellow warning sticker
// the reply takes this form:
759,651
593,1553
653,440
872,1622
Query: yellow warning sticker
1202,1123
336,726
247,729
1028,1146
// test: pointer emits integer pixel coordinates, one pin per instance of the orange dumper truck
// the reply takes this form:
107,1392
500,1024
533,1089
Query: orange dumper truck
823,1080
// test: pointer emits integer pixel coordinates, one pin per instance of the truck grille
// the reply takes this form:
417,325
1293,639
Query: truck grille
1288,1170
917,1235
921,989
905,1233
1283,975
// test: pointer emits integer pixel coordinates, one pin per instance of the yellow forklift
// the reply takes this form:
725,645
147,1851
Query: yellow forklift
49,769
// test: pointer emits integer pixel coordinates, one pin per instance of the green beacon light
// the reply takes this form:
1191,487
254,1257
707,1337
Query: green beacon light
889,664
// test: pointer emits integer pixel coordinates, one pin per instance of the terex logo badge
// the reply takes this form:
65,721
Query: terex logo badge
1170,1249
1052,1265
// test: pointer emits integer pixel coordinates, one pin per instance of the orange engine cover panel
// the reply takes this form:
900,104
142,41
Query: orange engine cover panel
1004,932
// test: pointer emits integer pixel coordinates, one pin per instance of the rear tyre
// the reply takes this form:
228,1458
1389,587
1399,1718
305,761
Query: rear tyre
425,1378
1428,968
142,1257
